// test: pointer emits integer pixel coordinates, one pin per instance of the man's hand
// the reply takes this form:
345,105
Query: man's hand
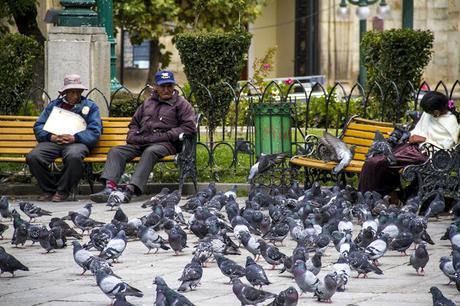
68,139
55,138
416,139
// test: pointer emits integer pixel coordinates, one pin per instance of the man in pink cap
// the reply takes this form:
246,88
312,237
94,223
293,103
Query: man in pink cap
72,148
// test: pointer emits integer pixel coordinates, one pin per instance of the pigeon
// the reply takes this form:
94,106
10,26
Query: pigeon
255,274
3,228
248,295
250,243
205,249
85,210
381,146
177,238
229,267
313,264
264,163
437,205
68,231
81,256
6,211
156,199
306,280
51,239
278,232
167,296
288,297
243,146
377,248
112,285
120,300
343,271
115,199
271,254
100,236
419,258
8,263
360,263
151,239
447,267
120,216
326,288
337,151
98,263
115,247
33,211
82,222
20,233
402,242
231,192
439,299
191,275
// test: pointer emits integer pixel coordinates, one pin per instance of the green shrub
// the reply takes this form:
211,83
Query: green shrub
18,54
212,59
397,55
123,104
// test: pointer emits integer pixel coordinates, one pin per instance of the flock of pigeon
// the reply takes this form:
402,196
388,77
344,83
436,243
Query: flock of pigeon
362,228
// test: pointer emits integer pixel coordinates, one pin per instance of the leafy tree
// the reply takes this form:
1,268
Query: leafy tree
151,19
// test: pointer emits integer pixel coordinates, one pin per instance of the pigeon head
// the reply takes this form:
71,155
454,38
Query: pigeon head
159,281
249,261
435,291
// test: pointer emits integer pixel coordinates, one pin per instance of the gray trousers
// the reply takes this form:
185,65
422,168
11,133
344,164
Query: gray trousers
119,155
40,158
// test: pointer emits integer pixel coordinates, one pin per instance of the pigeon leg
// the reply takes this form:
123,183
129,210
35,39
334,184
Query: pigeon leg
156,251
148,251
273,267
176,253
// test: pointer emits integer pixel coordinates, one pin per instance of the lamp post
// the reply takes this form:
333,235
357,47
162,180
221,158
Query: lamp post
363,11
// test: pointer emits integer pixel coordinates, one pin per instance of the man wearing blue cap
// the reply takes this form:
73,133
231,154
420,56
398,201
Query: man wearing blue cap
154,132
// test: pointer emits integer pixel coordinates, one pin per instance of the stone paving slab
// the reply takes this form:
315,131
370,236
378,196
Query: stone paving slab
54,279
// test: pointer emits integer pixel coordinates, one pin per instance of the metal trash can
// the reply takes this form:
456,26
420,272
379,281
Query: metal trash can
272,122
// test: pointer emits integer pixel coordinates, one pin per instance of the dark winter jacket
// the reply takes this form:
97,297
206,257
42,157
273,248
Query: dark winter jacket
158,121
93,131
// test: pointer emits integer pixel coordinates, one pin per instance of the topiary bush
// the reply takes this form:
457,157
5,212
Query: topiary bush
397,55
18,54
212,59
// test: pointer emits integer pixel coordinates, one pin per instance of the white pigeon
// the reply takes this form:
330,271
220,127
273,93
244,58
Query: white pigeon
112,285
377,248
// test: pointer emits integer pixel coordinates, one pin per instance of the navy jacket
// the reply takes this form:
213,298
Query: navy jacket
93,131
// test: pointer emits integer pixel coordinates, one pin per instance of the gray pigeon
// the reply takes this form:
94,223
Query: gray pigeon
250,243
271,254
306,280
360,263
167,296
255,274
82,222
33,211
120,300
6,211
343,271
229,267
191,275
177,238
3,228
439,299
115,247
380,146
156,199
151,239
81,256
112,285
85,210
8,263
447,267
288,297
326,288
437,205
419,258
264,163
248,295
338,151
377,248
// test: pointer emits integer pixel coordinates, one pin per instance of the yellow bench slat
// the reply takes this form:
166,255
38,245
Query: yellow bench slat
18,137
371,128
363,135
354,166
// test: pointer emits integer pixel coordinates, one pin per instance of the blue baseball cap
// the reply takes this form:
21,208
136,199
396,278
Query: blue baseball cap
164,77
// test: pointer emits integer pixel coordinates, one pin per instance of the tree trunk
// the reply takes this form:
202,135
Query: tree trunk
154,59
27,25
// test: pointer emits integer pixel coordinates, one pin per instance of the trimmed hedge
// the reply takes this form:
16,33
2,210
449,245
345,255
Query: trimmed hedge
397,55
212,59
18,54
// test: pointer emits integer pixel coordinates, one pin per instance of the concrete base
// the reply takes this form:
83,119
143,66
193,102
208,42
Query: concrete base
81,50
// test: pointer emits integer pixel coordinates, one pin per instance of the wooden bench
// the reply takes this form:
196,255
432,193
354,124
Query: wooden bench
17,138
357,131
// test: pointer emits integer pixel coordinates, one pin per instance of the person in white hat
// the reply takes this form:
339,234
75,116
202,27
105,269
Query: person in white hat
72,148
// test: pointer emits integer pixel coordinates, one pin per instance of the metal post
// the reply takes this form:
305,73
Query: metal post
77,13
408,14
362,70
105,10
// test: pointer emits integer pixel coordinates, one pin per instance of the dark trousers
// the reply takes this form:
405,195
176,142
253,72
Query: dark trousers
40,158
378,175
119,155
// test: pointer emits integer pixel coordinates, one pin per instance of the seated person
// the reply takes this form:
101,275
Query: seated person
72,148
154,132
438,125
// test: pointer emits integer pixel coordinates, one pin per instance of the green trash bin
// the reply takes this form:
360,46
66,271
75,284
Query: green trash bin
272,122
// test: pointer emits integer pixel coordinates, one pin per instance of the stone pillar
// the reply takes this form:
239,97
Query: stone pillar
81,50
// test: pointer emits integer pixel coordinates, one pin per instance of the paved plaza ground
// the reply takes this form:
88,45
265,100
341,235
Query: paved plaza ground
54,279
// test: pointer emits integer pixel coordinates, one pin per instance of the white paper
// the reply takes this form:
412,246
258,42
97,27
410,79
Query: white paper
61,121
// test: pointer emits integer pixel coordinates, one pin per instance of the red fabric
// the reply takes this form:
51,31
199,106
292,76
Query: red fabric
378,175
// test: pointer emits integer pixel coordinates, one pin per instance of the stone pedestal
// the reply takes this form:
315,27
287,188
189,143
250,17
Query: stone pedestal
81,50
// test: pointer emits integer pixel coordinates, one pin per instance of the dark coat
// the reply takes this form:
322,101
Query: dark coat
93,131
161,122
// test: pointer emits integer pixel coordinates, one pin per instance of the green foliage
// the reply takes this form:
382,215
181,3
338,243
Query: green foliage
18,54
397,55
212,59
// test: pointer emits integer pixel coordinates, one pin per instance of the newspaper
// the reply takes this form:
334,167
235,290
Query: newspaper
61,121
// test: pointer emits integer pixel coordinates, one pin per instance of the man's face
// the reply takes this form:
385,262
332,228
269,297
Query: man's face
165,91
72,96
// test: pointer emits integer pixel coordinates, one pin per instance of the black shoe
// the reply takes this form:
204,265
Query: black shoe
101,196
